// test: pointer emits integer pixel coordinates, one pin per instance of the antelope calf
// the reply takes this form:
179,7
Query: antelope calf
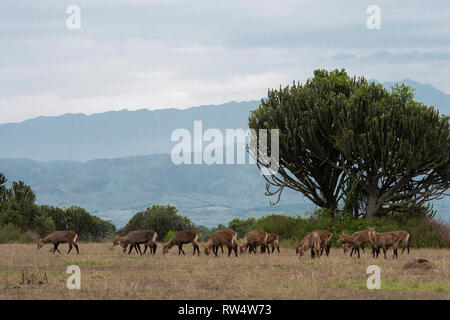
311,241
180,238
252,240
136,237
219,238
58,237
123,242
384,240
346,241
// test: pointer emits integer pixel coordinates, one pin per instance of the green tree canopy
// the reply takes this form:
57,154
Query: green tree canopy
18,211
161,219
395,149
343,138
308,159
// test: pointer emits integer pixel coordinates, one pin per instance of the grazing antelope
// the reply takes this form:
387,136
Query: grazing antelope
219,238
180,238
58,237
147,237
311,241
123,242
384,240
252,240
272,240
325,240
356,241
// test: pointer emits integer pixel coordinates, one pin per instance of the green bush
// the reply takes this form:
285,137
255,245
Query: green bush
10,233
162,219
169,235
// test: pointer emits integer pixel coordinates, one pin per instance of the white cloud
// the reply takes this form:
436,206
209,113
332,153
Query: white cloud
166,53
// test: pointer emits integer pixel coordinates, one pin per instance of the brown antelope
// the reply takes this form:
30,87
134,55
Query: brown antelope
123,242
58,237
346,241
325,240
356,241
180,238
311,241
219,238
272,240
252,240
384,240
404,239
147,237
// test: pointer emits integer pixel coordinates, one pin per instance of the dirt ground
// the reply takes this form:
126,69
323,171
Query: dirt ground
107,273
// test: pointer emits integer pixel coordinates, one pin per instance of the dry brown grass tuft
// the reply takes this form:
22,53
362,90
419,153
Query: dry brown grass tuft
109,274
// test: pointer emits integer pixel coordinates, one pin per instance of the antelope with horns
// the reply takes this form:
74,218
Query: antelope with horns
252,240
147,237
219,238
312,240
58,237
272,240
384,240
180,238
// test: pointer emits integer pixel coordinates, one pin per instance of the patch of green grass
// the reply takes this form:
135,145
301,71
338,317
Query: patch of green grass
396,286
415,286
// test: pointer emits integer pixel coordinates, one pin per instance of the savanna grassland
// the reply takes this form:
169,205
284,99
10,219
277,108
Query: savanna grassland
107,273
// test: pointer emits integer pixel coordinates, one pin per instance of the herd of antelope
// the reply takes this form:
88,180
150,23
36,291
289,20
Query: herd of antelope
315,241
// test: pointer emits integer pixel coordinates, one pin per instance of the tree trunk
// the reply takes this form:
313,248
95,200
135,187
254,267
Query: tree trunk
372,200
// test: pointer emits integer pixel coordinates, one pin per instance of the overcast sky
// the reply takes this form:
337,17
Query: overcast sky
137,54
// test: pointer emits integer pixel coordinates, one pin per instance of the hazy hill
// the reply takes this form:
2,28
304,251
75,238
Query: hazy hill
116,134
116,189
113,134
428,95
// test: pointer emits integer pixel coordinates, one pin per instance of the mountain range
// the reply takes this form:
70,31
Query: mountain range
117,163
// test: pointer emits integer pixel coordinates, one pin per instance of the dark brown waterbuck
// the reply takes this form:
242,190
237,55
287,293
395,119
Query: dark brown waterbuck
180,238
123,242
219,238
58,237
137,237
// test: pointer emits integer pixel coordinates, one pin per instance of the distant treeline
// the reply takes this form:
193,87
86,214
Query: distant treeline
424,232
22,220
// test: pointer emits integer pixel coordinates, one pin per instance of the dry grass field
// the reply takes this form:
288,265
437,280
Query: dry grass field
109,274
